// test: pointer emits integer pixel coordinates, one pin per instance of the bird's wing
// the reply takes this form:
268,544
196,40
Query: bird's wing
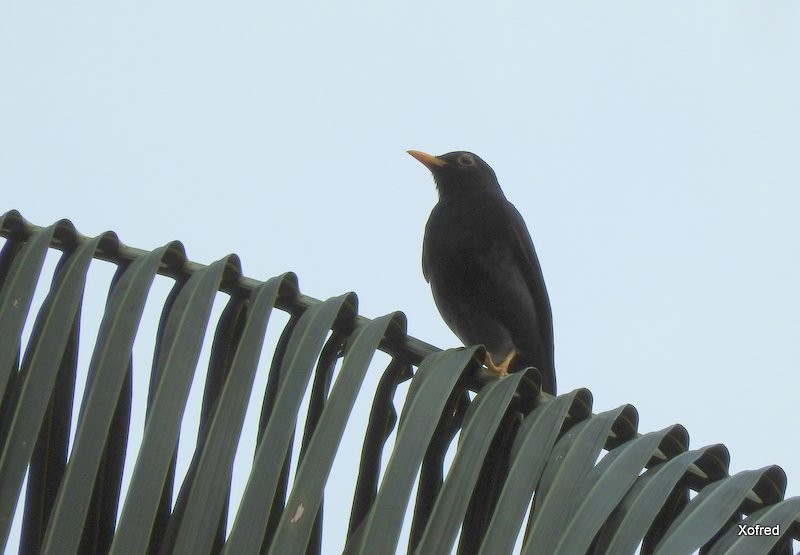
522,244
425,262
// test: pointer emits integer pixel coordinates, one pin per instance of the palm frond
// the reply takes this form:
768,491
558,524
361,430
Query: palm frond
587,483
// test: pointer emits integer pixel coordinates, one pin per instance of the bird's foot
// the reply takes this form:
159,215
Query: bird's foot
500,369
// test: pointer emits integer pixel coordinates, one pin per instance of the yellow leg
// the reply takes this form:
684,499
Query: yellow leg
500,369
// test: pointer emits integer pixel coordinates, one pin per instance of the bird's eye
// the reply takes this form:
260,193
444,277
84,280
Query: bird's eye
466,160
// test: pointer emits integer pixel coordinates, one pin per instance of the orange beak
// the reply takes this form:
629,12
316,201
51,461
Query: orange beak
428,160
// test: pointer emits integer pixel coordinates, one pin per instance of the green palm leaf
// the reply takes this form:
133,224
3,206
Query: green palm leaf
588,483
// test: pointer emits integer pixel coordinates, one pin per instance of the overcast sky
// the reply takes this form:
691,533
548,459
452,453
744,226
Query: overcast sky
652,149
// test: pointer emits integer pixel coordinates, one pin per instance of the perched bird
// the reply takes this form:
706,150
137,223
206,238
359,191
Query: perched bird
484,274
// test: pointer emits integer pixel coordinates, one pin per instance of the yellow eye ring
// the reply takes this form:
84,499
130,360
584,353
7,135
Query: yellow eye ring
466,160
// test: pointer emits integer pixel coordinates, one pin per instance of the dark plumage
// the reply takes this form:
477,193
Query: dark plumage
479,259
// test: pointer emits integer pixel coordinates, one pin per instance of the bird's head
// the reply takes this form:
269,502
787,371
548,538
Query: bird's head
458,173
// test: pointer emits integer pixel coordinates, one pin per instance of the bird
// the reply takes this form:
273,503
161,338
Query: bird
486,280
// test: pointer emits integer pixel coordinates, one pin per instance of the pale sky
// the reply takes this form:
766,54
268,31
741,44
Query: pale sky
652,149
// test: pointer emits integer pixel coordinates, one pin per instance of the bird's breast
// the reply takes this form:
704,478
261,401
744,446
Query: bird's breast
464,241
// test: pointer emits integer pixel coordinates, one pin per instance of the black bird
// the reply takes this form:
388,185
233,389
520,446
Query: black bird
479,259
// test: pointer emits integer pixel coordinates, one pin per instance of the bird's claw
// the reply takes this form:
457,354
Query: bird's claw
500,369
